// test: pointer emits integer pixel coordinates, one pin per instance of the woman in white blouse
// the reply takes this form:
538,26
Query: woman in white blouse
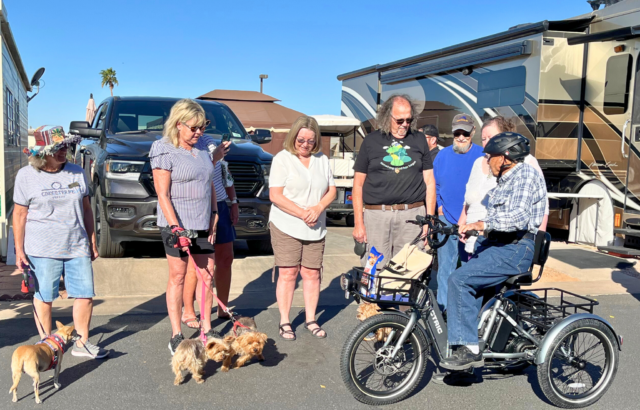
481,181
301,188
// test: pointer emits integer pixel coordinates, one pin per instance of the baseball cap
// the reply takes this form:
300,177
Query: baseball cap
462,122
432,131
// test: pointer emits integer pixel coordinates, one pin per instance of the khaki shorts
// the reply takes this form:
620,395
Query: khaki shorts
289,251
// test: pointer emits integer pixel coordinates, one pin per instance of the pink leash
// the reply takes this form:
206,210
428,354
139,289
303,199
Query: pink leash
203,294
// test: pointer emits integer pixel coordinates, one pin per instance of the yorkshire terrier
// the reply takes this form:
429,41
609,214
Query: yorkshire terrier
190,356
365,311
246,342
219,350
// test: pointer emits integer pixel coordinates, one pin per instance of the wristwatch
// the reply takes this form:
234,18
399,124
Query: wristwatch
234,200
213,212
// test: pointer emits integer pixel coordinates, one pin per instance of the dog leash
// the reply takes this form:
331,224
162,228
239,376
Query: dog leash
203,294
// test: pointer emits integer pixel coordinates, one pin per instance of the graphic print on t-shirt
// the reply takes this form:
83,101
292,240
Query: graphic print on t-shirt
57,191
397,157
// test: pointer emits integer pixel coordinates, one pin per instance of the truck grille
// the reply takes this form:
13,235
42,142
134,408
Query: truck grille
246,175
244,170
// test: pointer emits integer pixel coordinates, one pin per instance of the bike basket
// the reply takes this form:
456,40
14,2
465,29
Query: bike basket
550,307
387,289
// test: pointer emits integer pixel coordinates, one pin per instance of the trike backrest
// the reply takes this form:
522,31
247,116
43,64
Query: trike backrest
541,251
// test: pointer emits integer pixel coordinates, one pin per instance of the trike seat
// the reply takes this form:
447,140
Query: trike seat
540,255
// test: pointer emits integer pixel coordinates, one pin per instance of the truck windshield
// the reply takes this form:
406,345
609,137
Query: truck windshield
141,116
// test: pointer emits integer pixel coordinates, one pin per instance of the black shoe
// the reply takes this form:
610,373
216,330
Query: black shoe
462,359
175,342
214,334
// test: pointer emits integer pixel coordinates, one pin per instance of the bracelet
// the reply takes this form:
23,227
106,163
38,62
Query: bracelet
234,201
214,213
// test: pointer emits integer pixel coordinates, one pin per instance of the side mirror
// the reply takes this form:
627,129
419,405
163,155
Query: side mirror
83,128
261,136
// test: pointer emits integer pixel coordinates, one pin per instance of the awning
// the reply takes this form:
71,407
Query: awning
336,124
619,34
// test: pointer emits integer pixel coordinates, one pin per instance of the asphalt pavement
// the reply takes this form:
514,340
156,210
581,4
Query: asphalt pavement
303,374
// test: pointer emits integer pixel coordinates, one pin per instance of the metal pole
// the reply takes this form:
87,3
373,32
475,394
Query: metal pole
261,85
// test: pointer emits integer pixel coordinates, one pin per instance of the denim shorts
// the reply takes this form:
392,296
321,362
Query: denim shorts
78,277
225,231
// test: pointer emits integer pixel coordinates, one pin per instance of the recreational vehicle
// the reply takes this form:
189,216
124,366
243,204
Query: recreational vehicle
571,87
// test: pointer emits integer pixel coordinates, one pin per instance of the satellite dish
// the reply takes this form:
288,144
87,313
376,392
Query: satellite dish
35,80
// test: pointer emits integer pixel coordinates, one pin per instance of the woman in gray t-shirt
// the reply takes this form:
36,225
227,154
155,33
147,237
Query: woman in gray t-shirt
182,176
53,231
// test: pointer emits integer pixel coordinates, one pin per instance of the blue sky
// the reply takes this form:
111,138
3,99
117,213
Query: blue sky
189,47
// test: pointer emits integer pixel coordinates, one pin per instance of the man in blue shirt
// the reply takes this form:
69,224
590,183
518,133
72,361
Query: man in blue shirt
516,208
451,170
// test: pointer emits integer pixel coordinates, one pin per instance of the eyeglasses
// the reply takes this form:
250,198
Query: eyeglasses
309,142
462,133
401,121
201,128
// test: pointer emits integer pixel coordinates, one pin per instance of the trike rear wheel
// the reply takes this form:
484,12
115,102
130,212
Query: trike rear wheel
581,364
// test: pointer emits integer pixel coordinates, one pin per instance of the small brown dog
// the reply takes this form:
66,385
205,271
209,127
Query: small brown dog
219,350
190,356
246,341
365,311
41,357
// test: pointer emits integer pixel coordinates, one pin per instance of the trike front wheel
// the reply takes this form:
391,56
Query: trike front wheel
366,365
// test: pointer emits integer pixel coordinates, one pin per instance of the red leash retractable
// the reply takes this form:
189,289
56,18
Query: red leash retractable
203,294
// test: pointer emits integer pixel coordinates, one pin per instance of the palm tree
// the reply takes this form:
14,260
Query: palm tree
109,78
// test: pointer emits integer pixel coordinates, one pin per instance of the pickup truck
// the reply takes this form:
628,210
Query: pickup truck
114,153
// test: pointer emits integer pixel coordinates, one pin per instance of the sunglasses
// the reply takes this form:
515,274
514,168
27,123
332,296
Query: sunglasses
303,141
401,121
201,128
462,133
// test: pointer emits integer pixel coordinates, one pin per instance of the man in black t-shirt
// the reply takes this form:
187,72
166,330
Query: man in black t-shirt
393,179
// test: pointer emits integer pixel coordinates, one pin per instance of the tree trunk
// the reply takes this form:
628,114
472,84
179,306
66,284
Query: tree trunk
111,88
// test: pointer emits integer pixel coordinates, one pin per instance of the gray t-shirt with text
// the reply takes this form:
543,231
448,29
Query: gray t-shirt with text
55,219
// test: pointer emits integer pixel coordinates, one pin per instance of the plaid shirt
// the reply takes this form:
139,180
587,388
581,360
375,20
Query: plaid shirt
519,201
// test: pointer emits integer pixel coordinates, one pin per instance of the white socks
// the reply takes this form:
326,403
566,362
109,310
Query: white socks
475,349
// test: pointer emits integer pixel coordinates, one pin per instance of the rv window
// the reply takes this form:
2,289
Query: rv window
616,85
502,88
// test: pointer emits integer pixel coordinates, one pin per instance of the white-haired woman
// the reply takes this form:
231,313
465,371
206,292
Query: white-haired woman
182,175
481,181
301,187
53,231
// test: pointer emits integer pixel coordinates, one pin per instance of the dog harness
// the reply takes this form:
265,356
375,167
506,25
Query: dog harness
56,343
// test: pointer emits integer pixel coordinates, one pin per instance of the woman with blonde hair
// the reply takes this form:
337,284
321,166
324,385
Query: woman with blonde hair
301,187
182,175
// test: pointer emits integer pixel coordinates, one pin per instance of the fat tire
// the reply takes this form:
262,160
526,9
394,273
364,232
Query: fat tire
544,369
107,248
351,344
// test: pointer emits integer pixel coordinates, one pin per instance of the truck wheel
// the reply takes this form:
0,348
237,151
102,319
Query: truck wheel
350,220
106,247
260,247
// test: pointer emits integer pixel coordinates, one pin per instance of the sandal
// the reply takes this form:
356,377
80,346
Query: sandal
287,332
190,323
316,330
